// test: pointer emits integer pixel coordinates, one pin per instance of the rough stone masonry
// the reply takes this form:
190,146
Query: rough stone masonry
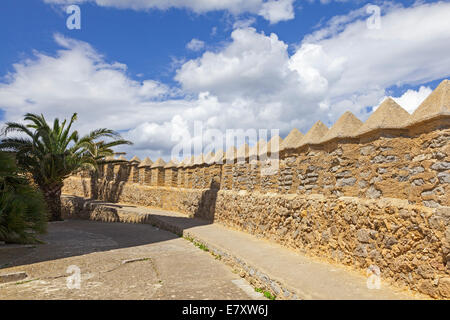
358,194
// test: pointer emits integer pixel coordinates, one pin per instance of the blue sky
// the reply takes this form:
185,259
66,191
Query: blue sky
129,47
147,41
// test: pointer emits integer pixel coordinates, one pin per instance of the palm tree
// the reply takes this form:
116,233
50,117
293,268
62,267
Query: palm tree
22,207
51,154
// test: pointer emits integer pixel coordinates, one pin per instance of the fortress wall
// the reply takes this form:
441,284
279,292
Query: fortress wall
227,177
171,177
180,177
415,168
199,177
409,243
378,197
240,176
189,178
254,176
215,174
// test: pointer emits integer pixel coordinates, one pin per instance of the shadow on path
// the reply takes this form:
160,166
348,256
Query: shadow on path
79,237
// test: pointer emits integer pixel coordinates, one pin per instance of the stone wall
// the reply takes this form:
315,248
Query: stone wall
409,243
415,168
377,197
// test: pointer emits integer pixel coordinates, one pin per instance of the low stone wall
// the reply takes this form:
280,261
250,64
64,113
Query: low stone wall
192,202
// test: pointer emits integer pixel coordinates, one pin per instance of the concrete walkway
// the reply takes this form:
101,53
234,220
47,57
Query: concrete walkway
286,273
115,261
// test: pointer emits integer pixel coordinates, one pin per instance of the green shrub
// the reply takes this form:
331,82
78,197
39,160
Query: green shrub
22,207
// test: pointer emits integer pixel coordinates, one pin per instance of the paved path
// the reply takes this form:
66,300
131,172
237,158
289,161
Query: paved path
288,273
117,261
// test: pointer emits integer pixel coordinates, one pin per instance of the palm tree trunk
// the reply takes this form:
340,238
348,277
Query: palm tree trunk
52,196
94,184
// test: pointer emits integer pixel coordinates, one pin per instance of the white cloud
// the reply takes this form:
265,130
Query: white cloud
272,10
343,66
360,62
407,49
277,10
411,99
195,45
78,79
250,82
244,23
247,66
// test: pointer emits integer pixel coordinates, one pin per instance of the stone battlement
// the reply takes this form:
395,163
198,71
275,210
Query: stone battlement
360,194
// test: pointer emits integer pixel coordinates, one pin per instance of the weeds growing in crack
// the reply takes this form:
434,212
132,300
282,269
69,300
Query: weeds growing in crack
24,281
266,294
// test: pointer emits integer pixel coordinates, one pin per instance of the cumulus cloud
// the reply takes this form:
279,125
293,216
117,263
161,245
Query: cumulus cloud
250,82
247,66
343,66
276,11
272,10
407,49
254,82
78,79
411,99
362,62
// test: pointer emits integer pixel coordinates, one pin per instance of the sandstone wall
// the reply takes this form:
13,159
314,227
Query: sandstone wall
409,243
192,202
377,198
415,168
